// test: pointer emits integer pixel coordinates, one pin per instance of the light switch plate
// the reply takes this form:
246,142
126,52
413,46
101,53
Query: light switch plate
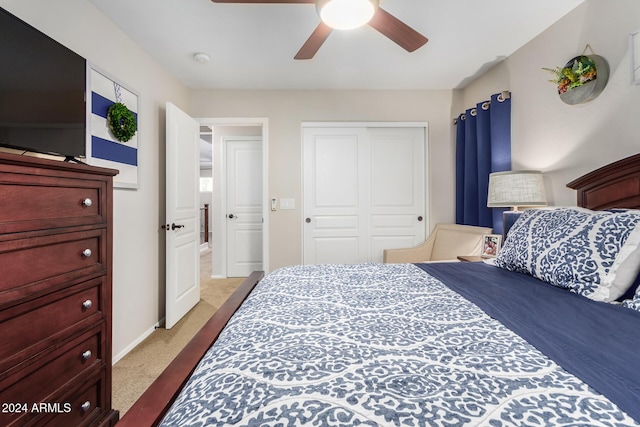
287,204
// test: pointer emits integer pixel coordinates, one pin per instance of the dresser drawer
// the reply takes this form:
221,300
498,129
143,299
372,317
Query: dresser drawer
82,408
34,202
86,406
43,323
41,390
39,264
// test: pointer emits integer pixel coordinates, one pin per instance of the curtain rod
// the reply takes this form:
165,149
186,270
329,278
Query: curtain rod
505,94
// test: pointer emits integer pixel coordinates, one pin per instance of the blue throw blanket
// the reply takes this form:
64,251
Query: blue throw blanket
598,342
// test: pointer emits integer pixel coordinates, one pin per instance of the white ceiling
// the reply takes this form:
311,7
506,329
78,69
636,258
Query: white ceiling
252,45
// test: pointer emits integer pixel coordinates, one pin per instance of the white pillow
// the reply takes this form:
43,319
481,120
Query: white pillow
593,253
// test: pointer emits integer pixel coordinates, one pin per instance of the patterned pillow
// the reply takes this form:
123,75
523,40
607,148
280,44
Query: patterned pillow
633,303
595,254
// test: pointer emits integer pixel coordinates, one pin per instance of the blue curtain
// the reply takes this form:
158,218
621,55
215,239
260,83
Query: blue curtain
483,145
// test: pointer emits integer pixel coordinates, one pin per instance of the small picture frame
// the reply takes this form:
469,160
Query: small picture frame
491,245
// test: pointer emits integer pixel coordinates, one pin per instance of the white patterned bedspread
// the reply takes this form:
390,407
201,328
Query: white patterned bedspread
377,345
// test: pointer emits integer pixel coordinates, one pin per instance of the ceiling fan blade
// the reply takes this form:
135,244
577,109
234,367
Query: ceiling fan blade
399,32
264,1
313,43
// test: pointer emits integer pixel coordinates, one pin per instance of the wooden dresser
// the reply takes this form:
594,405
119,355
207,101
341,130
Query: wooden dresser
55,293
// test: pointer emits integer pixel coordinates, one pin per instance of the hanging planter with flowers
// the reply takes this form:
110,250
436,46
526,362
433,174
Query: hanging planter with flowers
582,79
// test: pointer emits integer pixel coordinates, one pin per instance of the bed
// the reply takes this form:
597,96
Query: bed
443,344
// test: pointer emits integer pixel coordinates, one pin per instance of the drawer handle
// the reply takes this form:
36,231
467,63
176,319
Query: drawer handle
86,355
87,304
87,202
86,253
85,406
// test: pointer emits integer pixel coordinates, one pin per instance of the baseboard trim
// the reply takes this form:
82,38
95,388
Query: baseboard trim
133,345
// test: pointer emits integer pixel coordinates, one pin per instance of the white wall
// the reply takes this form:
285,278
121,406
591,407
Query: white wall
138,251
286,110
567,141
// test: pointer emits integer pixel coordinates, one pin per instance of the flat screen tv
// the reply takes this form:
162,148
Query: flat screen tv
42,92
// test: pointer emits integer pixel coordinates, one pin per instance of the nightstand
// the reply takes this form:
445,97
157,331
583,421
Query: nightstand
470,258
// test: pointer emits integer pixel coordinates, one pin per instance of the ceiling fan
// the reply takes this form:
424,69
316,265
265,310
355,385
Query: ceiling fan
378,18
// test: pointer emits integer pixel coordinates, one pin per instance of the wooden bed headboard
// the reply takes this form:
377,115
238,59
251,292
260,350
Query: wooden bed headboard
616,185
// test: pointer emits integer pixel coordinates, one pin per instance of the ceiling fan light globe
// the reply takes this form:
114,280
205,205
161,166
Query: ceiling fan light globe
346,14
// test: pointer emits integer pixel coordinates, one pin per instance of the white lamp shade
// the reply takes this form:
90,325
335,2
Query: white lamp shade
516,188
346,14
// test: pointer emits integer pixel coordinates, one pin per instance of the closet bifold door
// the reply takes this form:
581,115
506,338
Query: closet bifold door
363,192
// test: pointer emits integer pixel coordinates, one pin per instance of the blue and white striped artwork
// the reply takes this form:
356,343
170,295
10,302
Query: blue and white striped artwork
104,149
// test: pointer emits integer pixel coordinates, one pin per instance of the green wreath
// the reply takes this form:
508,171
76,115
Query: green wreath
122,122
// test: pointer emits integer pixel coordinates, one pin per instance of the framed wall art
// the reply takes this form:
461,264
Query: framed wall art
112,127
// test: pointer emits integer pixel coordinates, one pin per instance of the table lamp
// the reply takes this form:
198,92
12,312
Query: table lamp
515,189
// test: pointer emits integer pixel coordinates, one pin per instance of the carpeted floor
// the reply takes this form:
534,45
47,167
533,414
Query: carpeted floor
140,367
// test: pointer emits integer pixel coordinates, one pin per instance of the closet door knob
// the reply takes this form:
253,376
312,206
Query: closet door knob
86,253
87,202
420,218
87,304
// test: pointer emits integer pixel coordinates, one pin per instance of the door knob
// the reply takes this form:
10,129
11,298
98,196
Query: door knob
174,226
231,216
420,218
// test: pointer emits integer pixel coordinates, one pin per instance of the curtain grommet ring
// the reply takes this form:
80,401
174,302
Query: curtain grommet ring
503,96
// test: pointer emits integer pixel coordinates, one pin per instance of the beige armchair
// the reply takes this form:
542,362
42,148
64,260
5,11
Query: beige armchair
445,243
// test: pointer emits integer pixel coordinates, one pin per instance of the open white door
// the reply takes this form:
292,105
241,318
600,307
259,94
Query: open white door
182,217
